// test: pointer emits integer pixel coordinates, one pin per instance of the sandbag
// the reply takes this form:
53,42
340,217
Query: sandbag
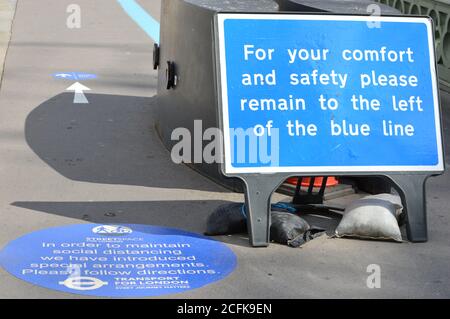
231,218
394,199
286,227
372,217
227,219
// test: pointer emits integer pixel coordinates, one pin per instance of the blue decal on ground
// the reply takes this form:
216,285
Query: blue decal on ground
117,260
78,76
142,18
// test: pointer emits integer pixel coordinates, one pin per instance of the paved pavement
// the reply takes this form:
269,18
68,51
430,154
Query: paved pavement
62,164
7,9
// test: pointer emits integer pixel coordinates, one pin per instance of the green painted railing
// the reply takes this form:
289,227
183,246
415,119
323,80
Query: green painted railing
439,11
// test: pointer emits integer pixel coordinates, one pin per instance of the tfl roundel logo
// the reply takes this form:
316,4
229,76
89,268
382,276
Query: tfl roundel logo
111,230
83,283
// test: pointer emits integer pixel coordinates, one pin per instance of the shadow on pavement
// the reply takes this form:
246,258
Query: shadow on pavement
186,215
111,140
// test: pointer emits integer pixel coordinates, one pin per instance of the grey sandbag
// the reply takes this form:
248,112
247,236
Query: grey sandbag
372,217
292,230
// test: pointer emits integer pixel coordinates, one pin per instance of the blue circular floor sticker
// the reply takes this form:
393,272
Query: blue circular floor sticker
117,260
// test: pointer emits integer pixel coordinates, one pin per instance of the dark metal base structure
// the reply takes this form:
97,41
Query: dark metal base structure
259,189
187,92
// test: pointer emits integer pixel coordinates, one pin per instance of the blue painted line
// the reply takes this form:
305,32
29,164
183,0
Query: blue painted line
77,76
142,18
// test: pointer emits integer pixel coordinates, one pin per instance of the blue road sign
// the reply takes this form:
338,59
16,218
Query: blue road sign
117,260
77,76
327,93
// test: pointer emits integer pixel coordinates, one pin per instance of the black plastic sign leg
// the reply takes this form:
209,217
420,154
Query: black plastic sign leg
412,191
258,191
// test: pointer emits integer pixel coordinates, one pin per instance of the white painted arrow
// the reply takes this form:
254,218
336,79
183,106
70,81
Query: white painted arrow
79,97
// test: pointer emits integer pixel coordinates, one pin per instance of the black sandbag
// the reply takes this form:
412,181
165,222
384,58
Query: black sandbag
286,228
231,218
292,230
227,219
